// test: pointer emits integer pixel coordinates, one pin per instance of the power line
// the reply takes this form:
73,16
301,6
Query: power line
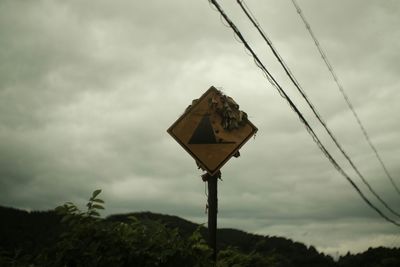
346,98
300,115
257,25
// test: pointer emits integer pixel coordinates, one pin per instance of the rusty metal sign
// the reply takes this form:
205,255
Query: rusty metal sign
212,130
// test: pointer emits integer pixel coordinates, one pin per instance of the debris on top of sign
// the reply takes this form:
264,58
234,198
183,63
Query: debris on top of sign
228,109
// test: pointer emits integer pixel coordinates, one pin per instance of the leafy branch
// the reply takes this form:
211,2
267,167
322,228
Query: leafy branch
71,213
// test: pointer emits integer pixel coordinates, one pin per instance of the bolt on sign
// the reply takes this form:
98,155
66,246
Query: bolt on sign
212,130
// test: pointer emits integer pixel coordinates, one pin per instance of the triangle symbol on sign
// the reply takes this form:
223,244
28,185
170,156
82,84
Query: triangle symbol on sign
204,133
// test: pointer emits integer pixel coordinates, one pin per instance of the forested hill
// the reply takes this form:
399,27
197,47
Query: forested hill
296,253
147,239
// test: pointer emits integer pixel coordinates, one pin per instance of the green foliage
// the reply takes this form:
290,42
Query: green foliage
232,257
14,259
91,241
377,257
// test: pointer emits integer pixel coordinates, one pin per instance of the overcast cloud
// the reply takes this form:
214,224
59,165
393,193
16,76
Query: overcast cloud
88,89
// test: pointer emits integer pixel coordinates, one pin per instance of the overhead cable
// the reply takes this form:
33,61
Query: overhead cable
257,25
341,89
299,114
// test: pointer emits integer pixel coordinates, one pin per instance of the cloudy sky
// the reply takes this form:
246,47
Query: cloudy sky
88,89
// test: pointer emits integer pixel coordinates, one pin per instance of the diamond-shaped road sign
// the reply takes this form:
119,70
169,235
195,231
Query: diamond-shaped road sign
201,133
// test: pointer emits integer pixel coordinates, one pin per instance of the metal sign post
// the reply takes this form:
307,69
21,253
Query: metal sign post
212,181
212,130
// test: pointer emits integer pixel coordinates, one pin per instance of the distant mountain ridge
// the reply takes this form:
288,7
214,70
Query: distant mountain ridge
33,231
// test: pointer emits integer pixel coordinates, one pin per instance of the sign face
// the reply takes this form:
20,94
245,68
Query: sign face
204,134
